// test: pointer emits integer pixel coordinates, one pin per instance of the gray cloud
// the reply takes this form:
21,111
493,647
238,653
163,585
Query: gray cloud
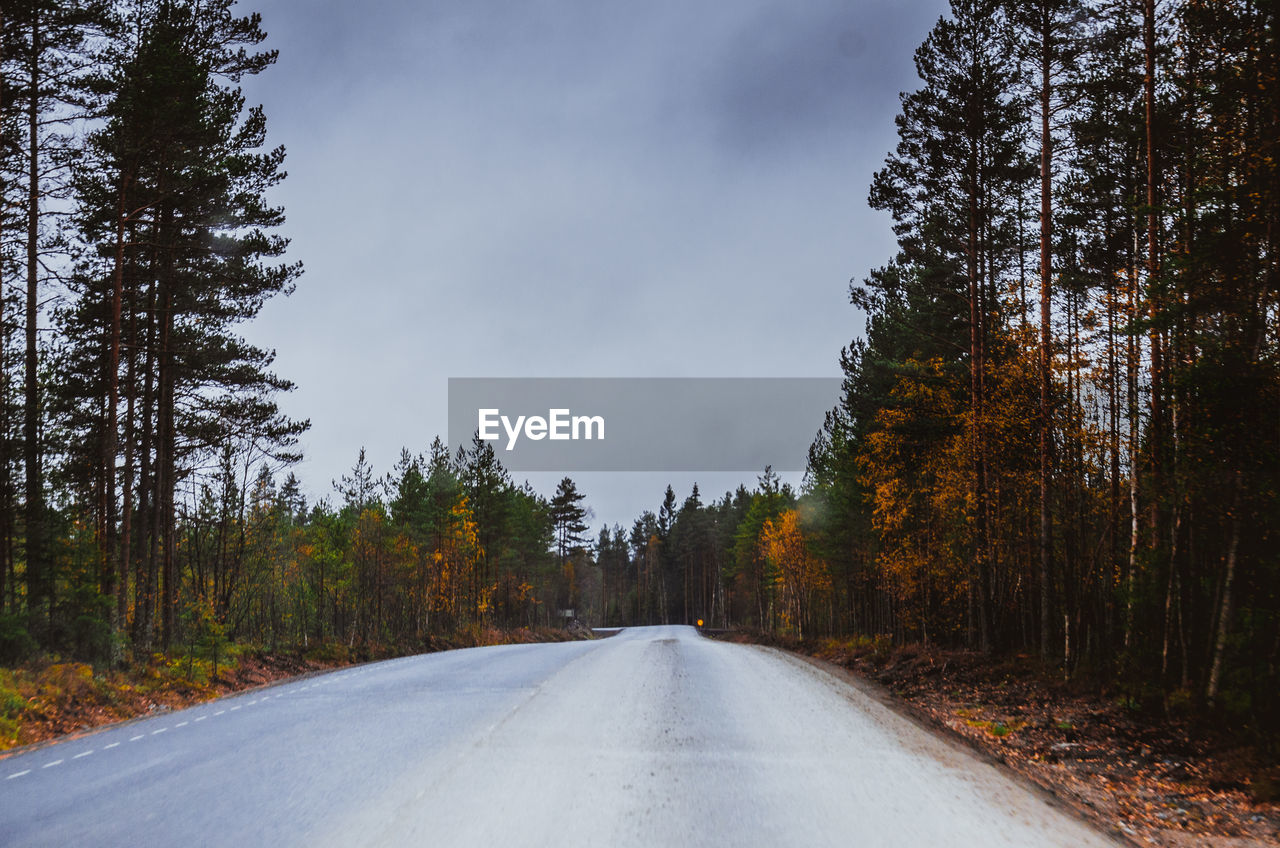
551,188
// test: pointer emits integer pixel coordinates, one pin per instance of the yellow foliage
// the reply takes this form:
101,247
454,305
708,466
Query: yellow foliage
455,559
802,576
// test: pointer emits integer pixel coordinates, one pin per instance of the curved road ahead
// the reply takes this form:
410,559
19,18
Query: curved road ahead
655,736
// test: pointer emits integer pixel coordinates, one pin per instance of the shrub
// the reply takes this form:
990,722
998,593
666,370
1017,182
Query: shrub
16,643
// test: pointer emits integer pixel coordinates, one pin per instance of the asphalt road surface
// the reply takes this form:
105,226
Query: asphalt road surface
655,736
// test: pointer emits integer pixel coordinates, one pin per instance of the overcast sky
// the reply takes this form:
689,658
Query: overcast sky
560,189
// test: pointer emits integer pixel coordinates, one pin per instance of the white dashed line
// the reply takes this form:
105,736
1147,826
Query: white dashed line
264,699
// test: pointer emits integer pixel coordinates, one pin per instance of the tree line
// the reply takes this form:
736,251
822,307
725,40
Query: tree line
1060,431
443,543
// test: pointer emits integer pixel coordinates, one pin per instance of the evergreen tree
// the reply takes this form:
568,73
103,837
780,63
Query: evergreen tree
568,518
47,59
172,199
950,185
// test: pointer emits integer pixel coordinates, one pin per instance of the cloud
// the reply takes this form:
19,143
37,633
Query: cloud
548,188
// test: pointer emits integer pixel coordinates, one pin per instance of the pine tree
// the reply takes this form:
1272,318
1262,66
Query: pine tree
568,518
174,205
948,184
47,58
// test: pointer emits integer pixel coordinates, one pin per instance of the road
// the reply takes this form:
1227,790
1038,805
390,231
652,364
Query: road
655,736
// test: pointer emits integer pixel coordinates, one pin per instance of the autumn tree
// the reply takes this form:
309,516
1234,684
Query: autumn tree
804,577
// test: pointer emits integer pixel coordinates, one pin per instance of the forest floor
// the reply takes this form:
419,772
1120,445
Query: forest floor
1159,780
47,698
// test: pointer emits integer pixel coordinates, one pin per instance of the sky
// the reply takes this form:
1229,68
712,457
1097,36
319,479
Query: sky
547,188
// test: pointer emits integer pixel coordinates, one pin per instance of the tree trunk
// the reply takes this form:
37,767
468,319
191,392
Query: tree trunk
7,503
1153,266
110,567
146,584
1224,608
164,471
1134,352
1046,236
976,446
39,588
126,489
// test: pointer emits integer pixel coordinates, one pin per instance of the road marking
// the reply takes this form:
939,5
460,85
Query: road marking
52,764
109,747
136,738
219,712
18,774
251,703
157,732
82,754
201,718
236,707
182,724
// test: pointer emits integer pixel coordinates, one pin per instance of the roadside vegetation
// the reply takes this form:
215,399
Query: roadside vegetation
46,697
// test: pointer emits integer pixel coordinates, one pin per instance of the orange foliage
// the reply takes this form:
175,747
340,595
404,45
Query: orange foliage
804,578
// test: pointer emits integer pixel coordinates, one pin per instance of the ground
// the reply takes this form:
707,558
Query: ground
1167,780
1161,779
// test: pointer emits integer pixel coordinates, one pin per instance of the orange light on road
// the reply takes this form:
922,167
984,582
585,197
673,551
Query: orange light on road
699,622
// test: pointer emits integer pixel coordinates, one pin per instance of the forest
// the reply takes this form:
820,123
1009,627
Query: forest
1059,433
1060,428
